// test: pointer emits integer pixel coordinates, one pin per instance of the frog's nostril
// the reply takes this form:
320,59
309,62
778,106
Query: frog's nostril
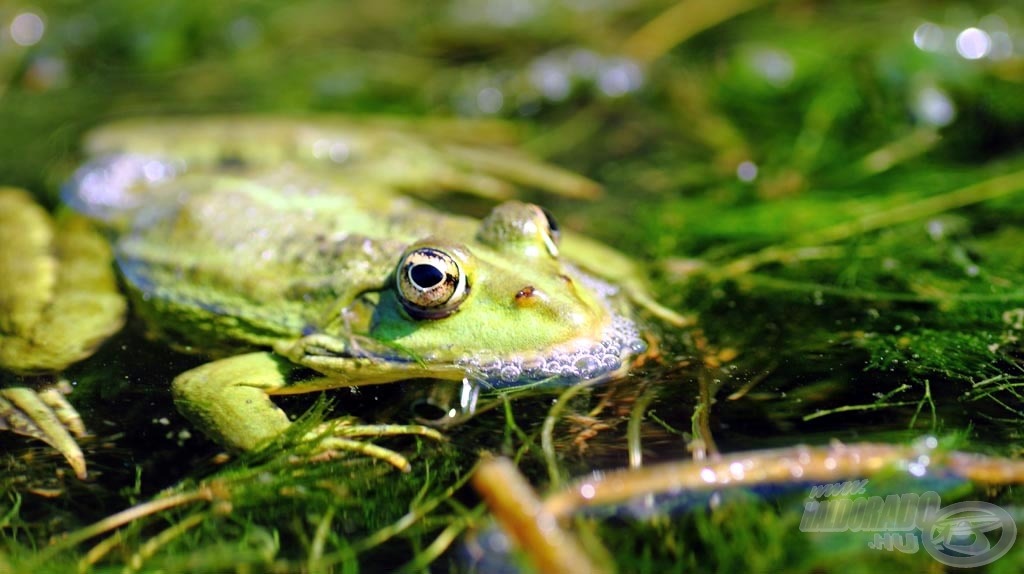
526,296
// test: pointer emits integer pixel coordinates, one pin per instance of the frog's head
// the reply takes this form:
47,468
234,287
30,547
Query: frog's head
504,302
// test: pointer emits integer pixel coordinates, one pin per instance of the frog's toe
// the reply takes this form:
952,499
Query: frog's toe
343,428
53,396
334,436
331,446
47,416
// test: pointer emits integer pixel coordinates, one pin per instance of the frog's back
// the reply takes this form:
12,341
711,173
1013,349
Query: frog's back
221,259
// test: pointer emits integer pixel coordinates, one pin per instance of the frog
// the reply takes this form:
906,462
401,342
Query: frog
302,255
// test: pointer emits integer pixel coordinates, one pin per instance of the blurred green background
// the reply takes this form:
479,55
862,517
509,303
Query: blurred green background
829,188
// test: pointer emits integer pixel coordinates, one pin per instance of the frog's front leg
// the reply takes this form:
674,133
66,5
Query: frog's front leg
229,400
359,361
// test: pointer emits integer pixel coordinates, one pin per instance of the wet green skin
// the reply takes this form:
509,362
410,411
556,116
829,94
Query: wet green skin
300,263
255,249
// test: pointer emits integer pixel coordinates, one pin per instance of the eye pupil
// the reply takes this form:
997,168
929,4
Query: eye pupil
430,284
425,275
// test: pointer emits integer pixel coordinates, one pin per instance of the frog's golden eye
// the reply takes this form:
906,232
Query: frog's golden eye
431,285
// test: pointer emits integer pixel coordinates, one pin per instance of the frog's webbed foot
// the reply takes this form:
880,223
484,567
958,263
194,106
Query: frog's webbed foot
58,301
336,435
47,416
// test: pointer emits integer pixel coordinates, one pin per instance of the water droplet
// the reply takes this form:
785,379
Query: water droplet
746,171
619,77
934,107
490,100
588,491
775,66
973,43
339,152
550,78
586,364
1002,46
509,373
928,37
27,29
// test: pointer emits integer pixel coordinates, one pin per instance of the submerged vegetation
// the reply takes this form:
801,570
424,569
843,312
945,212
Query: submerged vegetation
832,194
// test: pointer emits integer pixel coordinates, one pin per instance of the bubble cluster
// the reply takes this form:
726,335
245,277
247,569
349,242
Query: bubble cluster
565,364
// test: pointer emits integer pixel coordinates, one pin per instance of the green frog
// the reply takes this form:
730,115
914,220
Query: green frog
284,246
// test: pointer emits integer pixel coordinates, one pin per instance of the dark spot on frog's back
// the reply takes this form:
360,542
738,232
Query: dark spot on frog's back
231,162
